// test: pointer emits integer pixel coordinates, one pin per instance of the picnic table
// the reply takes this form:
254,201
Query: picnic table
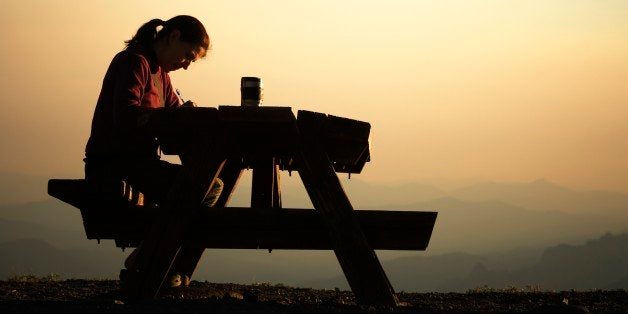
223,142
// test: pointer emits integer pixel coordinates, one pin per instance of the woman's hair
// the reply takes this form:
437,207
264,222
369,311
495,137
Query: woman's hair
192,31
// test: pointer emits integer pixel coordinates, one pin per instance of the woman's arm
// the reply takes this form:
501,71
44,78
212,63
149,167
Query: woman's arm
134,108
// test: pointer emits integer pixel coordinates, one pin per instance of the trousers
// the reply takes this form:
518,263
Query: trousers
152,177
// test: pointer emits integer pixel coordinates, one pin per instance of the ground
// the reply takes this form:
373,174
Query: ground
101,296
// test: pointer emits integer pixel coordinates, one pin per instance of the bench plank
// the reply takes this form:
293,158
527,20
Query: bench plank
249,228
269,228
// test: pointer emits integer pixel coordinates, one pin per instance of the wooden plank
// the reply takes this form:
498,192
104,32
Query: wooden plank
264,132
346,142
263,183
251,131
79,192
259,132
357,259
276,187
230,177
71,191
305,229
185,126
287,228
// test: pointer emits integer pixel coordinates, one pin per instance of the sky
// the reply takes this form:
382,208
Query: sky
508,91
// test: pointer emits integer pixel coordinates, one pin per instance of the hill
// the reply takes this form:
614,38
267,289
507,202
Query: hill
16,188
39,258
543,195
494,226
597,264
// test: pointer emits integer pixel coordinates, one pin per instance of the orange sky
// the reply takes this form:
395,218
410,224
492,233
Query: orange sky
492,90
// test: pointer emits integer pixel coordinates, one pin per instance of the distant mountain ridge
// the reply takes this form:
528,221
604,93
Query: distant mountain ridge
11,230
539,195
543,195
37,257
18,188
476,226
596,264
50,212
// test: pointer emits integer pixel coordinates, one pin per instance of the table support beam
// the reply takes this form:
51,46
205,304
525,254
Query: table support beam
189,256
357,259
265,192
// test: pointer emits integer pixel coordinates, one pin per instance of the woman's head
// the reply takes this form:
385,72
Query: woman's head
180,41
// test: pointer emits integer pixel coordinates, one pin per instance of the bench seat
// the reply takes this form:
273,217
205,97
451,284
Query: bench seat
243,228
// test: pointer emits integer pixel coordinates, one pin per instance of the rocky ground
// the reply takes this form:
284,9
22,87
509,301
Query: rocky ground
101,296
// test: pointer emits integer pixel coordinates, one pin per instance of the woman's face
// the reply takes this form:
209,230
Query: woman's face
177,54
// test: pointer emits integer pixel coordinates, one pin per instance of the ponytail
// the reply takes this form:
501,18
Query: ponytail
146,34
192,31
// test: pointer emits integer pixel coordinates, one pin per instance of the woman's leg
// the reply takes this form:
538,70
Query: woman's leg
154,179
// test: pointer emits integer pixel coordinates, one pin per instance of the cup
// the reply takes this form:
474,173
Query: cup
252,91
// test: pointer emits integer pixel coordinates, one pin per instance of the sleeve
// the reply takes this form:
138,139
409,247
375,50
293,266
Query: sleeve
132,73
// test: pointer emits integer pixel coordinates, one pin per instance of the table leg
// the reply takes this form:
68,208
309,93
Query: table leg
189,256
357,259
265,191
230,176
276,187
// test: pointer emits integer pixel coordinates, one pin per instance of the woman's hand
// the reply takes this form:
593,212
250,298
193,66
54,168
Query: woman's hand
189,103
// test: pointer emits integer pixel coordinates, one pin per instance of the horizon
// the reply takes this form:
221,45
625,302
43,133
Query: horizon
293,183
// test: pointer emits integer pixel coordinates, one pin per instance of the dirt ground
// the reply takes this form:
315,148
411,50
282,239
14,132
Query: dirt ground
101,296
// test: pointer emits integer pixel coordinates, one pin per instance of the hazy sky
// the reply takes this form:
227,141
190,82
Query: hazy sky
496,90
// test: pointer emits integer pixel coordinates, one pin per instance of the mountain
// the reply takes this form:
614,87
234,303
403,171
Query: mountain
414,273
594,264
489,226
383,196
37,257
18,188
51,220
543,195
597,264
362,195
11,230
539,195
429,273
622,283
291,268
50,212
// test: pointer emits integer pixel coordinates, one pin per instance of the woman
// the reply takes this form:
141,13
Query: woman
136,91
